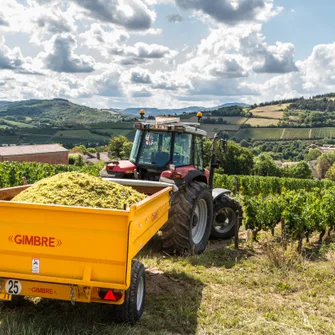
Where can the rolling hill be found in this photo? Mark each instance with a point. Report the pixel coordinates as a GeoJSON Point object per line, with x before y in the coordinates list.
{"type": "Point", "coordinates": [178, 111]}
{"type": "Point", "coordinates": [54, 112]}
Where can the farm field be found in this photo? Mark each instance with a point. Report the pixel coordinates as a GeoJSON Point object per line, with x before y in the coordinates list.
{"type": "Point", "coordinates": [323, 132]}
{"type": "Point", "coordinates": [223, 291]}
{"type": "Point", "coordinates": [80, 134]}
{"type": "Point", "coordinates": [214, 128]}
{"type": "Point", "coordinates": [273, 115]}
{"type": "Point", "coordinates": [254, 122]}
{"type": "Point", "coordinates": [271, 108]}
{"type": "Point", "coordinates": [230, 119]}
{"type": "Point", "coordinates": [259, 133]}
{"type": "Point", "coordinates": [296, 133]}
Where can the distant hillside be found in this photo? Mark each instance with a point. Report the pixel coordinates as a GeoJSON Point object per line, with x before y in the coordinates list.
{"type": "Point", "coordinates": [54, 112]}
{"type": "Point", "coordinates": [178, 111]}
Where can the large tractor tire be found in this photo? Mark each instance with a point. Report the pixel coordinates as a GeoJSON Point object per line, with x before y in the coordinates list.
{"type": "Point", "coordinates": [227, 214]}
{"type": "Point", "coordinates": [190, 220]}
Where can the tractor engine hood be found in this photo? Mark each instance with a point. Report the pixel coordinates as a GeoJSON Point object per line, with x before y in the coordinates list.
{"type": "Point", "coordinates": [123, 166]}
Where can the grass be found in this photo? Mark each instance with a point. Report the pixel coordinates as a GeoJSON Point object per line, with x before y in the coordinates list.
{"type": "Point", "coordinates": [223, 291]}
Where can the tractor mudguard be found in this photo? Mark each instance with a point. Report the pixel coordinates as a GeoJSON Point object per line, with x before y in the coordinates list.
{"type": "Point", "coordinates": [195, 175]}
{"type": "Point", "coordinates": [217, 192]}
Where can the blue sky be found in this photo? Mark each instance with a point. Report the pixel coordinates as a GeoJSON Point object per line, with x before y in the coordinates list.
{"type": "Point", "coordinates": [165, 53]}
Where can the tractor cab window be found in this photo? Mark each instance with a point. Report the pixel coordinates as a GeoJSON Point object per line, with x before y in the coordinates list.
{"type": "Point", "coordinates": [198, 153]}
{"type": "Point", "coordinates": [182, 149]}
{"type": "Point", "coordinates": [135, 147]}
{"type": "Point", "coordinates": [155, 148]}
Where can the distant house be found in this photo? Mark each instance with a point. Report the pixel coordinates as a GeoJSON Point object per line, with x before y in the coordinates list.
{"type": "Point", "coordinates": [45, 153]}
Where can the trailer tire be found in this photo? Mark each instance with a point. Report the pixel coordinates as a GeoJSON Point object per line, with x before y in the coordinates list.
{"type": "Point", "coordinates": [190, 220]}
{"type": "Point", "coordinates": [132, 308]}
{"type": "Point", "coordinates": [227, 214]}
{"type": "Point", "coordinates": [16, 302]}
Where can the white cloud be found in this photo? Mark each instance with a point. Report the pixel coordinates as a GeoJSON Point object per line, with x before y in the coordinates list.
{"type": "Point", "coordinates": [10, 59]}
{"type": "Point", "coordinates": [131, 14]}
{"type": "Point", "coordinates": [232, 12]}
{"type": "Point", "coordinates": [60, 56]}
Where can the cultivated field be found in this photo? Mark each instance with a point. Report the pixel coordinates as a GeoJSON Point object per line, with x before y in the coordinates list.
{"type": "Point", "coordinates": [271, 108]}
{"type": "Point", "coordinates": [230, 119]}
{"type": "Point", "coordinates": [286, 133]}
{"type": "Point", "coordinates": [272, 115]}
{"type": "Point", "coordinates": [259, 133]}
{"type": "Point", "coordinates": [256, 290]}
{"type": "Point", "coordinates": [296, 133]}
{"type": "Point", "coordinates": [254, 122]}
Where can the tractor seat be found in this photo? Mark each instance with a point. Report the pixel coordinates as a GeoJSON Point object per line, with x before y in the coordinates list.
{"type": "Point", "coordinates": [160, 158]}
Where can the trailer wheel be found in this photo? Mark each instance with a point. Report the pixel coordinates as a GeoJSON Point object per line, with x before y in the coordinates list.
{"type": "Point", "coordinates": [190, 219]}
{"type": "Point", "coordinates": [132, 308]}
{"type": "Point", "coordinates": [227, 214]}
{"type": "Point", "coordinates": [17, 301]}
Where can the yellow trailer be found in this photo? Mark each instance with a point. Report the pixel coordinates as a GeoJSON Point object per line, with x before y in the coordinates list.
{"type": "Point", "coordinates": [79, 254]}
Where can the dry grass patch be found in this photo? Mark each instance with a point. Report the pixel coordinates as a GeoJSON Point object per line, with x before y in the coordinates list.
{"type": "Point", "coordinates": [254, 122]}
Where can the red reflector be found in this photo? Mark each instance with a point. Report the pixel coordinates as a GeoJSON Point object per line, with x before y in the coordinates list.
{"type": "Point", "coordinates": [110, 296]}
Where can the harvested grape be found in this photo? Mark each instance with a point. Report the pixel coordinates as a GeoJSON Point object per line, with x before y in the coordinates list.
{"type": "Point", "coordinates": [80, 189]}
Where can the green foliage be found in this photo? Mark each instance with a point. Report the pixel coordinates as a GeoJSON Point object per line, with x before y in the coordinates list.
{"type": "Point", "coordinates": [306, 206]}
{"type": "Point", "coordinates": [300, 170]}
{"type": "Point", "coordinates": [237, 160]}
{"type": "Point", "coordinates": [264, 165]}
{"type": "Point", "coordinates": [118, 147]}
{"type": "Point", "coordinates": [331, 173]}
{"type": "Point", "coordinates": [255, 185]}
{"type": "Point", "coordinates": [76, 160]}
{"type": "Point", "coordinates": [313, 154]}
{"type": "Point", "coordinates": [324, 162]}
{"type": "Point", "coordinates": [11, 173]}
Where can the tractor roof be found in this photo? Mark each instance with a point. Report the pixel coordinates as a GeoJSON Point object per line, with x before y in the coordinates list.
{"type": "Point", "coordinates": [166, 124]}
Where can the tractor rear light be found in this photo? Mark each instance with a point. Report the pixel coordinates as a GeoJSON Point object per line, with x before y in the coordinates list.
{"type": "Point", "coordinates": [110, 167]}
{"type": "Point", "coordinates": [129, 171]}
{"type": "Point", "coordinates": [110, 295]}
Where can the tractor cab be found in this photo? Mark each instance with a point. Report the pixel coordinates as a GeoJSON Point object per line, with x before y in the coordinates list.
{"type": "Point", "coordinates": [166, 144]}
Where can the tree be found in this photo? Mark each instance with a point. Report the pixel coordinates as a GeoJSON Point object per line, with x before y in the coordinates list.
{"type": "Point", "coordinates": [331, 173]}
{"type": "Point", "coordinates": [237, 160]}
{"type": "Point", "coordinates": [126, 150]}
{"type": "Point", "coordinates": [264, 165]}
{"type": "Point", "coordinates": [324, 162]}
{"type": "Point", "coordinates": [299, 170]}
{"type": "Point", "coordinates": [244, 144]}
{"type": "Point", "coordinates": [115, 146]}
{"type": "Point", "coordinates": [313, 154]}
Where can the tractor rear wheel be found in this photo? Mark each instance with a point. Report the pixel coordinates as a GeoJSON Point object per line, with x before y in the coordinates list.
{"type": "Point", "coordinates": [190, 219]}
{"type": "Point", "coordinates": [227, 214]}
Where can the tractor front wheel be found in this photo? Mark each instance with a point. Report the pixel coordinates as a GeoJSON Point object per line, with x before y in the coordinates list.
{"type": "Point", "coordinates": [190, 220]}
{"type": "Point", "coordinates": [227, 214]}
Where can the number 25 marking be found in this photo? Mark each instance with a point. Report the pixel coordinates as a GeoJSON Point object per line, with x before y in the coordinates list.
{"type": "Point", "coordinates": [13, 287]}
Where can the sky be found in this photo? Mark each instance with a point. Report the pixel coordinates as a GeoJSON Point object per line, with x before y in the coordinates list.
{"type": "Point", "coordinates": [166, 53]}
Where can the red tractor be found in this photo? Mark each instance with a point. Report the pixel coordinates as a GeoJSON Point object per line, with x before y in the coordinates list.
{"type": "Point", "coordinates": [168, 151]}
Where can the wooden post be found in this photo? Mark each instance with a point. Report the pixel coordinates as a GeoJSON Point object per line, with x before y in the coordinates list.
{"type": "Point", "coordinates": [237, 229]}
{"type": "Point", "coordinates": [283, 233]}
{"type": "Point", "coordinates": [24, 181]}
